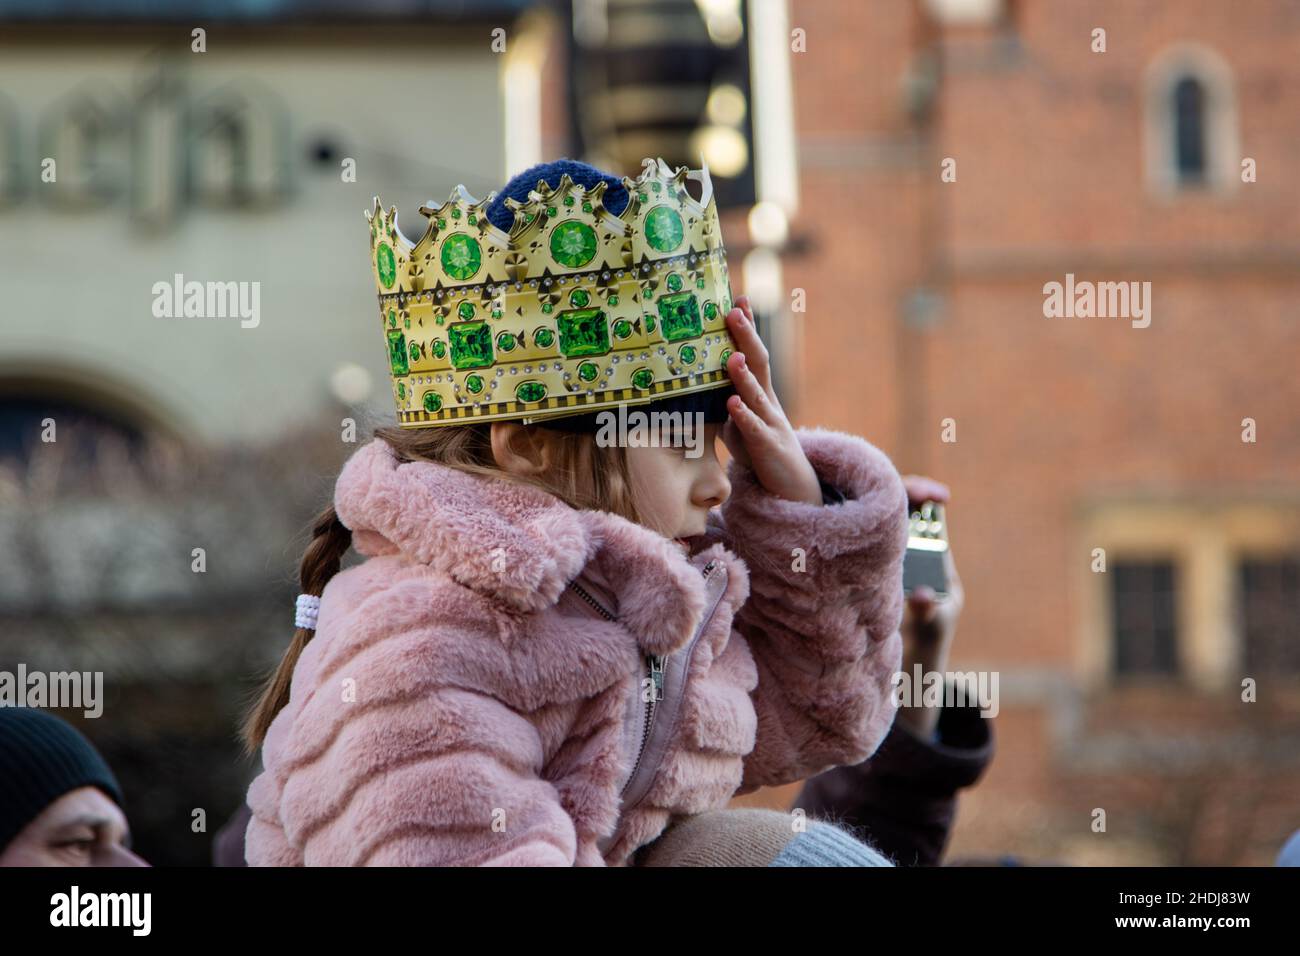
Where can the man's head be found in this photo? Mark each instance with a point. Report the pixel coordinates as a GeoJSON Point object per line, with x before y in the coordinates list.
{"type": "Point", "coordinates": [59, 803]}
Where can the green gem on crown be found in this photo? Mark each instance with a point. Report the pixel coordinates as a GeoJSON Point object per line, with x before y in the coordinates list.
{"type": "Point", "coordinates": [544, 338]}
{"type": "Point", "coordinates": [465, 310]}
{"type": "Point", "coordinates": [573, 244]}
{"type": "Point", "coordinates": [579, 298]}
{"type": "Point", "coordinates": [622, 328]}
{"type": "Point", "coordinates": [471, 344]}
{"type": "Point", "coordinates": [506, 342]}
{"type": "Point", "coordinates": [663, 228]}
{"type": "Point", "coordinates": [726, 354]}
{"type": "Point", "coordinates": [474, 383]}
{"type": "Point", "coordinates": [397, 352]}
{"type": "Point", "coordinates": [439, 350]}
{"type": "Point", "coordinates": [530, 392]}
{"type": "Point", "coordinates": [710, 310]}
{"type": "Point", "coordinates": [643, 378]}
{"type": "Point", "coordinates": [687, 355]}
{"type": "Point", "coordinates": [432, 401]}
{"type": "Point", "coordinates": [587, 371]}
{"type": "Point", "coordinates": [461, 256]}
{"type": "Point", "coordinates": [583, 332]}
{"type": "Point", "coordinates": [674, 282]}
{"type": "Point", "coordinates": [680, 316]}
{"type": "Point", "coordinates": [386, 263]}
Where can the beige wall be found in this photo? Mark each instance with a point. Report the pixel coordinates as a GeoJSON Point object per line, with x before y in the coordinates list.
{"type": "Point", "coordinates": [76, 297]}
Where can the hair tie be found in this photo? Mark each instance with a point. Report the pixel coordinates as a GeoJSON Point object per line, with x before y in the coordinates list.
{"type": "Point", "coordinates": [307, 608]}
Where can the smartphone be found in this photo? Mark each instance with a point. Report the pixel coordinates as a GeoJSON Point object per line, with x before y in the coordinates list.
{"type": "Point", "coordinates": [927, 547]}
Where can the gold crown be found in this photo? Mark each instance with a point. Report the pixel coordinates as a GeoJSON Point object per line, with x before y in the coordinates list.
{"type": "Point", "coordinates": [574, 310]}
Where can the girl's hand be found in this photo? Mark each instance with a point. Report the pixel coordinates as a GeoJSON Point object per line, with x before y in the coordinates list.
{"type": "Point", "coordinates": [758, 434]}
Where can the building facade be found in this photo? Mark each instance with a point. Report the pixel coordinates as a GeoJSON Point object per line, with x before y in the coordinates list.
{"type": "Point", "coordinates": [1126, 488]}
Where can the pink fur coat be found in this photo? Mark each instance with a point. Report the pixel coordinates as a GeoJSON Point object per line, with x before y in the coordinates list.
{"type": "Point", "coordinates": [468, 700]}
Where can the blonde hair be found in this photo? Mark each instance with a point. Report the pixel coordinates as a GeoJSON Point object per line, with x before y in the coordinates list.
{"type": "Point", "coordinates": [586, 476]}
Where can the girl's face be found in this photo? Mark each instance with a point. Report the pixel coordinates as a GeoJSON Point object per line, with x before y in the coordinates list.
{"type": "Point", "coordinates": [673, 491]}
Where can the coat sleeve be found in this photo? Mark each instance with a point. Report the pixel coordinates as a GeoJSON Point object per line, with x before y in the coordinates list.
{"type": "Point", "coordinates": [905, 796]}
{"type": "Point", "coordinates": [826, 600]}
{"type": "Point", "coordinates": [415, 769]}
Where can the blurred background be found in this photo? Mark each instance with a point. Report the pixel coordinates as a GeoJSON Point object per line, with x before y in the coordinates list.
{"type": "Point", "coordinates": [898, 180]}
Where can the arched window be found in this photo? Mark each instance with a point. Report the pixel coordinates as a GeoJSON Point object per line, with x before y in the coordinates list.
{"type": "Point", "coordinates": [1191, 122]}
{"type": "Point", "coordinates": [80, 429]}
{"type": "Point", "coordinates": [1189, 130]}
{"type": "Point", "coordinates": [82, 418]}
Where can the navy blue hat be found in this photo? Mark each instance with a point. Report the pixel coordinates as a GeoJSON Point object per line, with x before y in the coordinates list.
{"type": "Point", "coordinates": [584, 174]}
{"type": "Point", "coordinates": [42, 757]}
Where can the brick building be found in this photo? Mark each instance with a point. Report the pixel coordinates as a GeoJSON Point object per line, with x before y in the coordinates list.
{"type": "Point", "coordinates": [1120, 690]}
{"type": "Point", "coordinates": [955, 157]}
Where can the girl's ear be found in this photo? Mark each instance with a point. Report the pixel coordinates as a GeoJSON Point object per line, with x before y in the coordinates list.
{"type": "Point", "coordinates": [521, 449]}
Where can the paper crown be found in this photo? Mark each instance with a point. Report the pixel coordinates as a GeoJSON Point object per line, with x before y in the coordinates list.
{"type": "Point", "coordinates": [574, 310]}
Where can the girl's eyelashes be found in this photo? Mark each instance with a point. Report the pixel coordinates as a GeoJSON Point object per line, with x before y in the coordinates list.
{"type": "Point", "coordinates": [79, 849]}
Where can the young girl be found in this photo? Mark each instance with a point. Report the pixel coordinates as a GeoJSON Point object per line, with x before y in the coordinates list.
{"type": "Point", "coordinates": [558, 648]}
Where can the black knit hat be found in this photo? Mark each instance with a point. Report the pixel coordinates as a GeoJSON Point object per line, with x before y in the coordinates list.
{"type": "Point", "coordinates": [712, 403]}
{"type": "Point", "coordinates": [42, 757]}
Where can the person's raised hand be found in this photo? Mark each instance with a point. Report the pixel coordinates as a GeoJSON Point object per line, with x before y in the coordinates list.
{"type": "Point", "coordinates": [757, 433]}
{"type": "Point", "coordinates": [928, 620]}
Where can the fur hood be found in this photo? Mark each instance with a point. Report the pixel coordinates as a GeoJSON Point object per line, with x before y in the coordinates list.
{"type": "Point", "coordinates": [515, 543]}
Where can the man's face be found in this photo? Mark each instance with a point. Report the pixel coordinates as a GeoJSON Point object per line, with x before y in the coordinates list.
{"type": "Point", "coordinates": [81, 828]}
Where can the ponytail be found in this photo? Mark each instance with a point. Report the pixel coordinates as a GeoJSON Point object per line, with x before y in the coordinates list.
{"type": "Point", "coordinates": [330, 541]}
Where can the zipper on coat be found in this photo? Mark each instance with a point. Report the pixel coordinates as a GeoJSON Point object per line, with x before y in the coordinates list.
{"type": "Point", "coordinates": [654, 672]}
{"type": "Point", "coordinates": [582, 593]}
{"type": "Point", "coordinates": [655, 665]}
{"type": "Point", "coordinates": [655, 675]}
